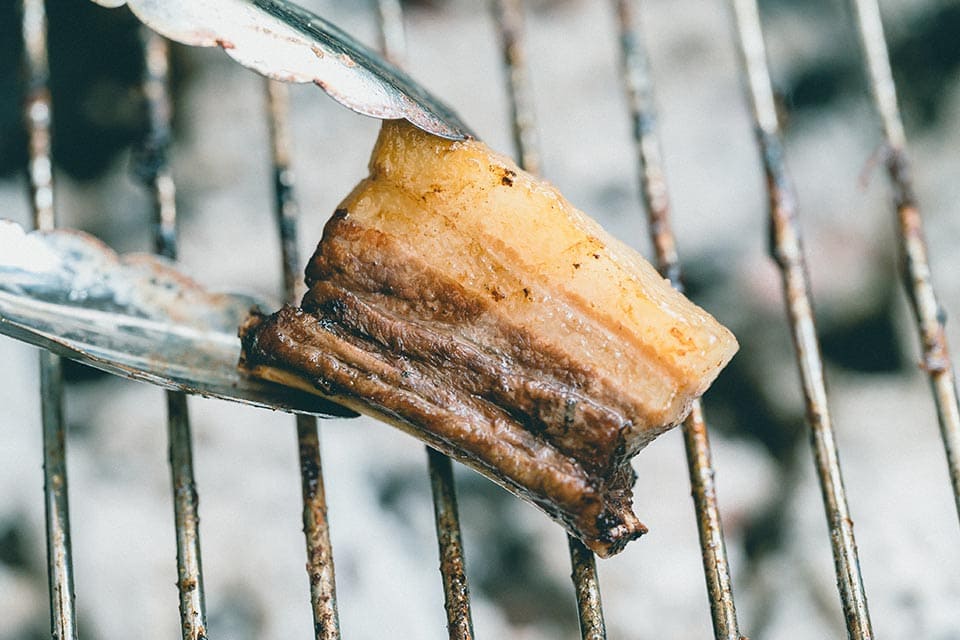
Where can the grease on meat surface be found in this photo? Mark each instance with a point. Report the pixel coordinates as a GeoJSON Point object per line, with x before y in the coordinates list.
{"type": "Point", "coordinates": [467, 302]}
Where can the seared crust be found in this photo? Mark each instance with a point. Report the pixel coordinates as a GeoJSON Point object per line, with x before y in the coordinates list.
{"type": "Point", "coordinates": [309, 351]}
{"type": "Point", "coordinates": [464, 301]}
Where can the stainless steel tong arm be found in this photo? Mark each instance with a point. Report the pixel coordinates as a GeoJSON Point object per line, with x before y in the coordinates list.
{"type": "Point", "coordinates": [134, 316]}
{"type": "Point", "coordinates": [286, 42]}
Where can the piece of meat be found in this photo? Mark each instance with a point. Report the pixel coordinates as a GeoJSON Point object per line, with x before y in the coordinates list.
{"type": "Point", "coordinates": [467, 302]}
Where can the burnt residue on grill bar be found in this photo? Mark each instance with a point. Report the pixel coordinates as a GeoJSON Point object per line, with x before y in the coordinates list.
{"type": "Point", "coordinates": [656, 201]}
{"type": "Point", "coordinates": [787, 252]}
{"type": "Point", "coordinates": [320, 568]}
{"type": "Point", "coordinates": [37, 111]}
{"type": "Point", "coordinates": [154, 170]}
{"type": "Point", "coordinates": [316, 528]}
{"type": "Point", "coordinates": [150, 163]}
{"type": "Point", "coordinates": [915, 265]}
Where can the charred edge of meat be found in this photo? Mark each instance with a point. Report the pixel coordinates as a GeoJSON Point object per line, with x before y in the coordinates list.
{"type": "Point", "coordinates": [324, 352]}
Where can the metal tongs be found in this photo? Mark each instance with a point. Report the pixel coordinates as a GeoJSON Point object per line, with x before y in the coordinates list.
{"type": "Point", "coordinates": [136, 316]}
{"type": "Point", "coordinates": [284, 41]}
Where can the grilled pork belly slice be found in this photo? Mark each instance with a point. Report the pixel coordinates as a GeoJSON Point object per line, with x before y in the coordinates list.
{"type": "Point", "coordinates": [467, 302]}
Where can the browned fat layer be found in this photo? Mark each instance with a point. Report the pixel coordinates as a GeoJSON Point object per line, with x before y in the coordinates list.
{"type": "Point", "coordinates": [569, 420]}
{"type": "Point", "coordinates": [366, 260]}
{"type": "Point", "coordinates": [596, 510]}
{"type": "Point", "coordinates": [295, 340]}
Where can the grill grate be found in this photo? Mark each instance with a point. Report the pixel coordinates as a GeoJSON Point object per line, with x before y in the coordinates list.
{"type": "Point", "coordinates": [785, 248]}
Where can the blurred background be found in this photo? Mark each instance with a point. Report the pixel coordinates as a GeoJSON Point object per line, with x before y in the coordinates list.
{"type": "Point", "coordinates": [377, 485]}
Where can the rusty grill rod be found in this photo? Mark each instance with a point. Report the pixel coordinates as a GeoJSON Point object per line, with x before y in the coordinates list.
{"type": "Point", "coordinates": [453, 569]}
{"type": "Point", "coordinates": [656, 202]}
{"type": "Point", "coordinates": [510, 23]}
{"type": "Point", "coordinates": [316, 529]}
{"type": "Point", "coordinates": [153, 169]}
{"type": "Point", "coordinates": [37, 119]}
{"type": "Point", "coordinates": [915, 266]}
{"type": "Point", "coordinates": [453, 566]}
{"type": "Point", "coordinates": [587, 587]}
{"type": "Point", "coordinates": [787, 252]}
{"type": "Point", "coordinates": [509, 17]}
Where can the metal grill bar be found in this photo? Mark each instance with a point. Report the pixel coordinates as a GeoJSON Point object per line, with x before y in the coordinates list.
{"type": "Point", "coordinates": [37, 118]}
{"type": "Point", "coordinates": [285, 207]}
{"type": "Point", "coordinates": [37, 114]}
{"type": "Point", "coordinates": [509, 19]}
{"type": "Point", "coordinates": [320, 568]}
{"type": "Point", "coordinates": [915, 267]}
{"type": "Point", "coordinates": [59, 550]}
{"type": "Point", "coordinates": [153, 169]}
{"type": "Point", "coordinates": [393, 39]}
{"type": "Point", "coordinates": [787, 251]}
{"type": "Point", "coordinates": [456, 591]}
{"type": "Point", "coordinates": [193, 613]}
{"type": "Point", "coordinates": [589, 607]}
{"type": "Point", "coordinates": [323, 588]}
{"type": "Point", "coordinates": [656, 201]}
